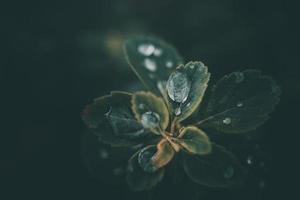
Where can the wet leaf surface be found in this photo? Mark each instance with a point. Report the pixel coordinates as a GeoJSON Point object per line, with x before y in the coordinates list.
{"type": "Point", "coordinates": [150, 110]}
{"type": "Point", "coordinates": [110, 117]}
{"type": "Point", "coordinates": [220, 168]}
{"type": "Point", "coordinates": [138, 179]}
{"type": "Point", "coordinates": [240, 102]}
{"type": "Point", "coordinates": [151, 59]}
{"type": "Point", "coordinates": [194, 141]}
{"type": "Point", "coordinates": [186, 87]}
{"type": "Point", "coordinates": [154, 157]}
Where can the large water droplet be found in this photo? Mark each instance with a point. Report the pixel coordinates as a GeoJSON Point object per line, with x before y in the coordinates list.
{"type": "Point", "coordinates": [146, 49]}
{"type": "Point", "coordinates": [150, 120]}
{"type": "Point", "coordinates": [229, 172]}
{"type": "Point", "coordinates": [227, 120]}
{"type": "Point", "coordinates": [177, 111]}
{"type": "Point", "coordinates": [150, 64]}
{"type": "Point", "coordinates": [178, 87]}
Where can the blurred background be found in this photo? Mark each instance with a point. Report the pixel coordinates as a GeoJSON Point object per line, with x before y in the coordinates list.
{"type": "Point", "coordinates": [59, 55]}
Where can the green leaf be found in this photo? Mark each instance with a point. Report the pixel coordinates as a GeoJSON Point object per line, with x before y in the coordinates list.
{"type": "Point", "coordinates": [220, 168]}
{"type": "Point", "coordinates": [150, 110]}
{"type": "Point", "coordinates": [153, 157]}
{"type": "Point", "coordinates": [240, 102]}
{"type": "Point", "coordinates": [138, 179]}
{"type": "Point", "coordinates": [194, 141]}
{"type": "Point", "coordinates": [151, 59]}
{"type": "Point", "coordinates": [186, 87]}
{"type": "Point", "coordinates": [110, 117]}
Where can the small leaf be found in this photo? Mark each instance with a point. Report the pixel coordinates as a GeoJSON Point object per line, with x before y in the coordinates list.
{"type": "Point", "coordinates": [186, 87]}
{"type": "Point", "coordinates": [240, 102]}
{"type": "Point", "coordinates": [110, 117]}
{"type": "Point", "coordinates": [150, 110]}
{"type": "Point", "coordinates": [194, 140]}
{"type": "Point", "coordinates": [138, 179]}
{"type": "Point", "coordinates": [151, 59]}
{"type": "Point", "coordinates": [152, 157]}
{"type": "Point", "coordinates": [220, 168]}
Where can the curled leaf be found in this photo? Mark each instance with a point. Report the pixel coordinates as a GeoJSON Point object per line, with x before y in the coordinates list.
{"type": "Point", "coordinates": [151, 59]}
{"type": "Point", "coordinates": [220, 168]}
{"type": "Point", "coordinates": [138, 179]}
{"type": "Point", "coordinates": [194, 141]}
{"type": "Point", "coordinates": [240, 102]}
{"type": "Point", "coordinates": [150, 110]}
{"type": "Point", "coordinates": [186, 87]}
{"type": "Point", "coordinates": [152, 157]}
{"type": "Point", "coordinates": [110, 117]}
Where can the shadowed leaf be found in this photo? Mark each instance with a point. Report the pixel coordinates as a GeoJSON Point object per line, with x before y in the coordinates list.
{"type": "Point", "coordinates": [220, 168]}
{"type": "Point", "coordinates": [138, 179]}
{"type": "Point", "coordinates": [194, 140]}
{"type": "Point", "coordinates": [110, 117]}
{"type": "Point", "coordinates": [151, 59]}
{"type": "Point", "coordinates": [152, 157]}
{"type": "Point", "coordinates": [186, 87]}
{"type": "Point", "coordinates": [150, 110]}
{"type": "Point", "coordinates": [240, 102]}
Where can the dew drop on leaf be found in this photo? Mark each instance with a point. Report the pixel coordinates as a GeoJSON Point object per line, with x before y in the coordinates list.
{"type": "Point", "coordinates": [146, 49]}
{"type": "Point", "coordinates": [177, 111]}
{"type": "Point", "coordinates": [250, 160]}
{"type": "Point", "coordinates": [228, 173]}
{"type": "Point", "coordinates": [144, 156]}
{"type": "Point", "coordinates": [178, 87]}
{"type": "Point", "coordinates": [240, 104]}
{"type": "Point", "coordinates": [227, 120]}
{"type": "Point", "coordinates": [150, 65]}
{"type": "Point", "coordinates": [150, 120]}
{"type": "Point", "coordinates": [169, 64]}
{"type": "Point", "coordinates": [141, 106]}
{"type": "Point", "coordinates": [157, 52]}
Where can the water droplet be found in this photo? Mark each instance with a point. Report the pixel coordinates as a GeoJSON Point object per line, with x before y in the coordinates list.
{"type": "Point", "coordinates": [178, 87]}
{"type": "Point", "coordinates": [142, 106]}
{"type": "Point", "coordinates": [169, 64]}
{"type": "Point", "coordinates": [150, 120]}
{"type": "Point", "coordinates": [144, 159]}
{"type": "Point", "coordinates": [239, 77]}
{"type": "Point", "coordinates": [229, 172]}
{"type": "Point", "coordinates": [240, 104]}
{"type": "Point", "coordinates": [188, 105]}
{"type": "Point", "coordinates": [177, 111]}
{"type": "Point", "coordinates": [227, 121]}
{"type": "Point", "coordinates": [146, 49]}
{"type": "Point", "coordinates": [150, 65]}
{"type": "Point", "coordinates": [250, 160]}
{"type": "Point", "coordinates": [103, 154]}
{"type": "Point", "coordinates": [118, 171]}
{"type": "Point", "coordinates": [157, 52]}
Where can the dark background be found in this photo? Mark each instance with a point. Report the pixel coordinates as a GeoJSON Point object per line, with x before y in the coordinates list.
{"type": "Point", "coordinates": [59, 55]}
